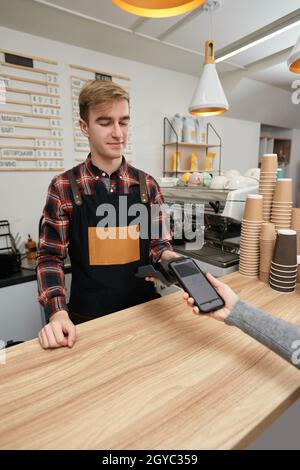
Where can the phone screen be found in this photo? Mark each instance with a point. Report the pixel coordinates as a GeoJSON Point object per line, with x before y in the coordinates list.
{"type": "Point", "coordinates": [194, 281]}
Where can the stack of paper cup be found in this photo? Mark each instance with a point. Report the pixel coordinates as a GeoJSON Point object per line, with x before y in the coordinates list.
{"type": "Point", "coordinates": [267, 181]}
{"type": "Point", "coordinates": [295, 225]}
{"type": "Point", "coordinates": [267, 243]}
{"type": "Point", "coordinates": [283, 273]}
{"type": "Point", "coordinates": [282, 203]}
{"type": "Point", "coordinates": [250, 235]}
{"type": "Point", "coordinates": [298, 269]}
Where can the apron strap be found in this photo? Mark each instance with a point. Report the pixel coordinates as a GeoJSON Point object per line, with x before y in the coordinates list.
{"type": "Point", "coordinates": [77, 196]}
{"type": "Point", "coordinates": [74, 186]}
{"type": "Point", "coordinates": [143, 186]}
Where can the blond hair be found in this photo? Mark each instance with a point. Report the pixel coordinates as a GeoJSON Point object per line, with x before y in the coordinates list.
{"type": "Point", "coordinates": [99, 92]}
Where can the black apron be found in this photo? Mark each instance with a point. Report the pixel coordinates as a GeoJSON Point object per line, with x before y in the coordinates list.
{"type": "Point", "coordinates": [103, 271]}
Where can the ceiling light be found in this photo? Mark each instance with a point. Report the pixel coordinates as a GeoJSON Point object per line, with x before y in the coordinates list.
{"type": "Point", "coordinates": [158, 8]}
{"type": "Point", "coordinates": [279, 26]}
{"type": "Point", "coordinates": [209, 98]}
{"type": "Point", "coordinates": [294, 58]}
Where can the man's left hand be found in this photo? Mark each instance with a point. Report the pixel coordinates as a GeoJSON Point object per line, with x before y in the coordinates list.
{"type": "Point", "coordinates": [166, 256]}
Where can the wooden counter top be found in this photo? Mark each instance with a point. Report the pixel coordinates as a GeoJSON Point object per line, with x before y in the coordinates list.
{"type": "Point", "coordinates": [153, 376]}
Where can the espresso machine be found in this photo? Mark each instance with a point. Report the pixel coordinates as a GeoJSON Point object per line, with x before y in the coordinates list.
{"type": "Point", "coordinates": [218, 251]}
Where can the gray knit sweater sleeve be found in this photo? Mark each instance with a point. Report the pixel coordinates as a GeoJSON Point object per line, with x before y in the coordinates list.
{"type": "Point", "coordinates": [280, 336]}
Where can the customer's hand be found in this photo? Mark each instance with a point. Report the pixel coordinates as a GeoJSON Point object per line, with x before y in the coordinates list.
{"type": "Point", "coordinates": [227, 294]}
{"type": "Point", "coordinates": [166, 256]}
{"type": "Point", "coordinates": [59, 332]}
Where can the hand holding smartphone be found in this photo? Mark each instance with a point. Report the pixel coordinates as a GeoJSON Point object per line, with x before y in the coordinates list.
{"type": "Point", "coordinates": [196, 284]}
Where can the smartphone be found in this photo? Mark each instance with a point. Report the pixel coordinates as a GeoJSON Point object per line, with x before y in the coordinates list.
{"type": "Point", "coordinates": [196, 284]}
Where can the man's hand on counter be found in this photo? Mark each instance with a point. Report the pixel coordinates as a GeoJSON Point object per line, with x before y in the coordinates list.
{"type": "Point", "coordinates": [59, 332]}
{"type": "Point", "coordinates": [227, 294]}
{"type": "Point", "coordinates": [166, 256]}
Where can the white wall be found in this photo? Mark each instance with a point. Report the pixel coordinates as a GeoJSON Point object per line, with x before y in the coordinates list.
{"type": "Point", "coordinates": [251, 99]}
{"type": "Point", "coordinates": [240, 142]}
{"type": "Point", "coordinates": [262, 103]}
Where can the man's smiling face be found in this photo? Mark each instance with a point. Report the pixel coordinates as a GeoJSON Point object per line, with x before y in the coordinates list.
{"type": "Point", "coordinates": [107, 129]}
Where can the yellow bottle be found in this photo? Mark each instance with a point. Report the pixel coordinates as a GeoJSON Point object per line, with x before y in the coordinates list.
{"type": "Point", "coordinates": [209, 161]}
{"type": "Point", "coordinates": [175, 164]}
{"type": "Point", "coordinates": [193, 165]}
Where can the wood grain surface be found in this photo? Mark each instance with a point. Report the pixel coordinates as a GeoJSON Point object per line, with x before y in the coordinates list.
{"type": "Point", "coordinates": [154, 376]}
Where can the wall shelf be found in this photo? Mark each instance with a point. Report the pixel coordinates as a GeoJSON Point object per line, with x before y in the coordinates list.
{"type": "Point", "coordinates": [182, 149]}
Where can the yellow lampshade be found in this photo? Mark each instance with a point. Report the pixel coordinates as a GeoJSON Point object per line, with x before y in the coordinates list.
{"type": "Point", "coordinates": [158, 8]}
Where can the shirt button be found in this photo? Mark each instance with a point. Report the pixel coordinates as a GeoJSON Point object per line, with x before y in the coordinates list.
{"type": "Point", "coordinates": [103, 174]}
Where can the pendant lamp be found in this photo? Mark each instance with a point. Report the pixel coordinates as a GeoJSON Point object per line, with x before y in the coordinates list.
{"type": "Point", "coordinates": [158, 8]}
{"type": "Point", "coordinates": [209, 98]}
{"type": "Point", "coordinates": [294, 58]}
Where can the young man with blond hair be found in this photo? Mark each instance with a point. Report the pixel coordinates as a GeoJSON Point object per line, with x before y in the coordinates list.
{"type": "Point", "coordinates": [105, 250]}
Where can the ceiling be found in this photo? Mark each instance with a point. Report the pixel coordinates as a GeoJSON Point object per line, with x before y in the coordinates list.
{"type": "Point", "coordinates": [175, 43]}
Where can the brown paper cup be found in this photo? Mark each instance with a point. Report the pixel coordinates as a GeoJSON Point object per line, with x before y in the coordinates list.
{"type": "Point", "coordinates": [267, 231]}
{"type": "Point", "coordinates": [266, 254]}
{"type": "Point", "coordinates": [285, 251]}
{"type": "Point", "coordinates": [283, 291]}
{"type": "Point", "coordinates": [251, 223]}
{"type": "Point", "coordinates": [248, 272]}
{"type": "Point", "coordinates": [251, 269]}
{"type": "Point", "coordinates": [295, 218]}
{"type": "Point", "coordinates": [283, 203]}
{"type": "Point", "coordinates": [272, 174]}
{"type": "Point", "coordinates": [249, 255]}
{"type": "Point", "coordinates": [283, 190]}
{"type": "Point", "coordinates": [288, 278]}
{"type": "Point", "coordinates": [264, 277]}
{"type": "Point", "coordinates": [269, 163]}
{"type": "Point", "coordinates": [253, 208]}
{"type": "Point", "coordinates": [252, 249]}
{"type": "Point", "coordinates": [267, 186]}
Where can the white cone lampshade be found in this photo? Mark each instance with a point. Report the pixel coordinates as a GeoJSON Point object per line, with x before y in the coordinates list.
{"type": "Point", "coordinates": [294, 58]}
{"type": "Point", "coordinates": [158, 8]}
{"type": "Point", "coordinates": [209, 98]}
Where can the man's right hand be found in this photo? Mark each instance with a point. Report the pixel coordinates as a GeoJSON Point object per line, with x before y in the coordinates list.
{"type": "Point", "coordinates": [59, 332]}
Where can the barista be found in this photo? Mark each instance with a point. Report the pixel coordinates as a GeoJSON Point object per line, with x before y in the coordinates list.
{"type": "Point", "coordinates": [90, 211]}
